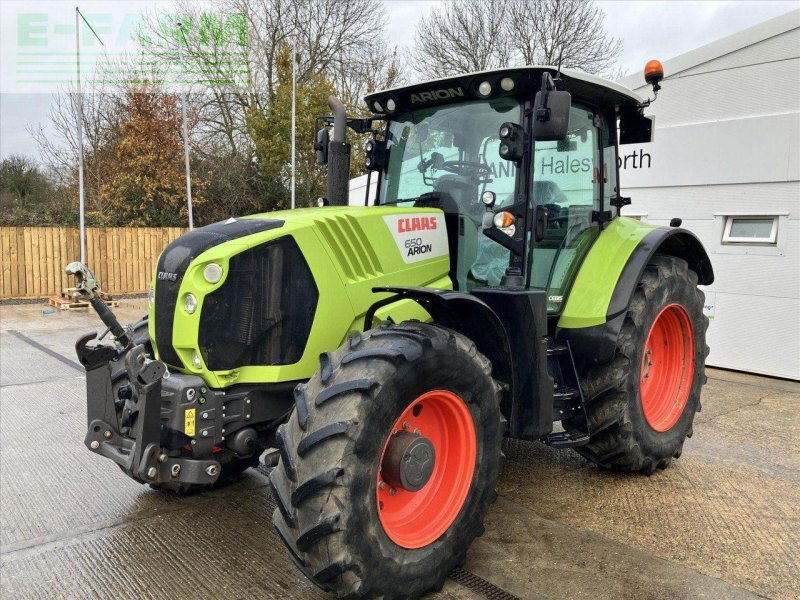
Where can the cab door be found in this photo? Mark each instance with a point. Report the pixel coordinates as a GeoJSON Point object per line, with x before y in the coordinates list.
{"type": "Point", "coordinates": [573, 179]}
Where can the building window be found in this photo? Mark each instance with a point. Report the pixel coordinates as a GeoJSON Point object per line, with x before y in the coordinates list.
{"type": "Point", "coordinates": [750, 230]}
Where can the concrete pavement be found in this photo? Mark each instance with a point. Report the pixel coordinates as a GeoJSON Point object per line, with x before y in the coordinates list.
{"type": "Point", "coordinates": [721, 522]}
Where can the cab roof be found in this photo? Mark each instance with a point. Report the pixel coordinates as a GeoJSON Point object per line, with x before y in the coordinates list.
{"type": "Point", "coordinates": [526, 82]}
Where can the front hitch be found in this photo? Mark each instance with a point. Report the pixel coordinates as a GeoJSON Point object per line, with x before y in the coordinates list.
{"type": "Point", "coordinates": [139, 452]}
{"type": "Point", "coordinates": [140, 456]}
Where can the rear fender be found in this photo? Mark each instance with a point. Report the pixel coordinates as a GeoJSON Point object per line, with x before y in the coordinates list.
{"type": "Point", "coordinates": [679, 243]}
{"type": "Point", "coordinates": [597, 343]}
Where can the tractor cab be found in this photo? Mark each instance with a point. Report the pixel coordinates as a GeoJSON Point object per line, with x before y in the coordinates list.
{"type": "Point", "coordinates": [523, 162]}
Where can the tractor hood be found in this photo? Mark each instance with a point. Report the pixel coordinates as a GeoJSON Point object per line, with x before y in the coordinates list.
{"type": "Point", "coordinates": [256, 299]}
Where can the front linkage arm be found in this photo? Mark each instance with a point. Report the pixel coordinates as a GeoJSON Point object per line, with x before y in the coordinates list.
{"type": "Point", "coordinates": [89, 287]}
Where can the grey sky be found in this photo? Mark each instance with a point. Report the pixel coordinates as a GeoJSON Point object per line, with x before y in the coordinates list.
{"type": "Point", "coordinates": [652, 29]}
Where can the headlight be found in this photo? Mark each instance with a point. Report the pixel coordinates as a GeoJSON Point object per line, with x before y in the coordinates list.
{"type": "Point", "coordinates": [196, 361]}
{"type": "Point", "coordinates": [189, 303]}
{"type": "Point", "coordinates": [485, 88]}
{"type": "Point", "coordinates": [507, 84]}
{"type": "Point", "coordinates": [151, 296]}
{"type": "Point", "coordinates": [212, 272]}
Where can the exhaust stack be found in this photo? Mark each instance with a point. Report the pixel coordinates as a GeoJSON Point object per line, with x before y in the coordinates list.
{"type": "Point", "coordinates": [338, 156]}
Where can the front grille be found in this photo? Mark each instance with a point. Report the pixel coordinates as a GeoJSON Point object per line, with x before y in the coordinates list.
{"type": "Point", "coordinates": [262, 314]}
{"type": "Point", "coordinates": [174, 261]}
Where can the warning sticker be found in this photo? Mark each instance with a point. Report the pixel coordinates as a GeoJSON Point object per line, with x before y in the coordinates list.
{"type": "Point", "coordinates": [188, 422]}
{"type": "Point", "coordinates": [418, 236]}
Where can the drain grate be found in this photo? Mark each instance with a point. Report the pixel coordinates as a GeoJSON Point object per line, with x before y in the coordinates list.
{"type": "Point", "coordinates": [479, 585]}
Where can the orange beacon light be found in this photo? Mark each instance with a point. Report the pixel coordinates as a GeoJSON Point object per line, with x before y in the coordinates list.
{"type": "Point", "coordinates": [654, 73]}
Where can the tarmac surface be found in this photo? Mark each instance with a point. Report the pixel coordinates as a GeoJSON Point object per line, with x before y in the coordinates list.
{"type": "Point", "coordinates": [722, 522]}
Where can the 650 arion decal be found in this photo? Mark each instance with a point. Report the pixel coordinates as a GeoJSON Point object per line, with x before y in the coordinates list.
{"type": "Point", "coordinates": [418, 237]}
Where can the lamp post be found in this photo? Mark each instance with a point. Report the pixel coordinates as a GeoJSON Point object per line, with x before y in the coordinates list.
{"type": "Point", "coordinates": [294, 110]}
{"type": "Point", "coordinates": [184, 102]}
{"type": "Point", "coordinates": [79, 125]}
{"type": "Point", "coordinates": [185, 128]}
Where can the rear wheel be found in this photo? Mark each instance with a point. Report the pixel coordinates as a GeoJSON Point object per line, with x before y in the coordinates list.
{"type": "Point", "coordinates": [388, 462]}
{"type": "Point", "coordinates": [641, 405]}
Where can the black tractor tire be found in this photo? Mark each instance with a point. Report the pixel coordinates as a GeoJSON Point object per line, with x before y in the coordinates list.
{"type": "Point", "coordinates": [622, 439]}
{"type": "Point", "coordinates": [231, 465]}
{"type": "Point", "coordinates": [325, 484]}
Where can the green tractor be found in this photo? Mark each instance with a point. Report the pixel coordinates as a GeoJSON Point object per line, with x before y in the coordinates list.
{"type": "Point", "coordinates": [385, 351]}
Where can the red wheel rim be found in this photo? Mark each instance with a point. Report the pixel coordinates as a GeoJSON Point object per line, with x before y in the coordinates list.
{"type": "Point", "coordinates": [667, 368]}
{"type": "Point", "coordinates": [415, 519]}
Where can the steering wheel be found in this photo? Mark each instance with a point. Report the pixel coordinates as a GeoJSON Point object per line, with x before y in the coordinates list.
{"type": "Point", "coordinates": [466, 168]}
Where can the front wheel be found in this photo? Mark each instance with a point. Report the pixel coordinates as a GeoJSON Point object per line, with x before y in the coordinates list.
{"type": "Point", "coordinates": [388, 462]}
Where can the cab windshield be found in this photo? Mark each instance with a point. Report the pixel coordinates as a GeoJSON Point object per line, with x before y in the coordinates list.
{"type": "Point", "coordinates": [450, 151]}
{"type": "Point", "coordinates": [447, 156]}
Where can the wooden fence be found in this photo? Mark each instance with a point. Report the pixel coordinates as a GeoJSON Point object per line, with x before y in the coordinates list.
{"type": "Point", "coordinates": [122, 258]}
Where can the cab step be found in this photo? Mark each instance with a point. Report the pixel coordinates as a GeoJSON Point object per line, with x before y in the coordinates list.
{"type": "Point", "coordinates": [565, 394]}
{"type": "Point", "coordinates": [556, 349]}
{"type": "Point", "coordinates": [569, 407]}
{"type": "Point", "coordinates": [567, 439]}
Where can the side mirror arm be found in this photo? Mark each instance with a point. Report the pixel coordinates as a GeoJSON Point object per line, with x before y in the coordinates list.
{"type": "Point", "coordinates": [543, 112]}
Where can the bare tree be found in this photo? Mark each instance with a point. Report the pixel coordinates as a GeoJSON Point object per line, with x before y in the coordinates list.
{"type": "Point", "coordinates": [570, 30]}
{"type": "Point", "coordinates": [365, 71]}
{"type": "Point", "coordinates": [207, 53]}
{"type": "Point", "coordinates": [58, 140]}
{"type": "Point", "coordinates": [269, 27]}
{"type": "Point", "coordinates": [338, 38]}
{"type": "Point", "coordinates": [464, 36]}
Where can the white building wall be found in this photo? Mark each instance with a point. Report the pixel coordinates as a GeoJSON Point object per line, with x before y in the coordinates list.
{"type": "Point", "coordinates": [762, 84]}
{"type": "Point", "coordinates": [358, 190]}
{"type": "Point", "coordinates": [726, 143]}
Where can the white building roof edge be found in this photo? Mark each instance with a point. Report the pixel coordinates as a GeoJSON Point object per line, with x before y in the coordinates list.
{"type": "Point", "coordinates": [736, 41]}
